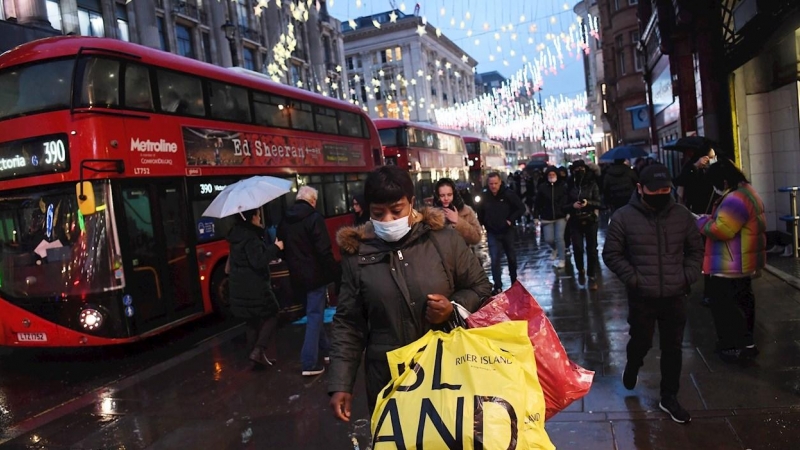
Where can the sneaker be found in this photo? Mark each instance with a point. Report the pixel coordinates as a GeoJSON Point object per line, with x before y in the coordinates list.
{"type": "Point", "coordinates": [496, 291]}
{"type": "Point", "coordinates": [730, 355]}
{"type": "Point", "coordinates": [751, 351]}
{"type": "Point", "coordinates": [592, 284]}
{"type": "Point", "coordinates": [313, 372]}
{"type": "Point", "coordinates": [559, 264]}
{"type": "Point", "coordinates": [630, 377]}
{"type": "Point", "coordinates": [581, 277]}
{"type": "Point", "coordinates": [260, 358]}
{"type": "Point", "coordinates": [676, 412]}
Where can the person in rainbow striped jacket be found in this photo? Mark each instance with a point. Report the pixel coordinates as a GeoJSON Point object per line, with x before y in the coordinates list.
{"type": "Point", "coordinates": [735, 251]}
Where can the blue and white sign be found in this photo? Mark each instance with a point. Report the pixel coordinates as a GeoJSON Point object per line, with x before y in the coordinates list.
{"type": "Point", "coordinates": [49, 230]}
{"type": "Point", "coordinates": [129, 311]}
{"type": "Point", "coordinates": [127, 300]}
{"type": "Point", "coordinates": [205, 228]}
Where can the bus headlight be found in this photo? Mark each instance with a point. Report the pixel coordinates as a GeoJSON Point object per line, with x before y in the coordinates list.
{"type": "Point", "coordinates": [91, 319]}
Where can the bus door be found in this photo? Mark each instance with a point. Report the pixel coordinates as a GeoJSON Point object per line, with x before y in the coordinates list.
{"type": "Point", "coordinates": [160, 266]}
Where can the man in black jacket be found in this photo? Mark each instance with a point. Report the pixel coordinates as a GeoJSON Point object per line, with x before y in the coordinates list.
{"type": "Point", "coordinates": [653, 246]}
{"type": "Point", "coordinates": [311, 268]}
{"type": "Point", "coordinates": [582, 207]}
{"type": "Point", "coordinates": [618, 184]}
{"type": "Point", "coordinates": [498, 211]}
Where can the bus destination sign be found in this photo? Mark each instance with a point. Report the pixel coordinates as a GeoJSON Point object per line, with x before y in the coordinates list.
{"type": "Point", "coordinates": [34, 156]}
{"type": "Point", "coordinates": [207, 147]}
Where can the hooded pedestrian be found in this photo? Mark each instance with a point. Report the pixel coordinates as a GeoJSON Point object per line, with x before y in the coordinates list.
{"type": "Point", "coordinates": [401, 271]}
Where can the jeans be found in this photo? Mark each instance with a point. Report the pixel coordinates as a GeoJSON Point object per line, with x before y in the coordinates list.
{"type": "Point", "coordinates": [499, 243]}
{"type": "Point", "coordinates": [733, 309]}
{"type": "Point", "coordinates": [549, 232]}
{"type": "Point", "coordinates": [587, 230]}
{"type": "Point", "coordinates": [670, 314]}
{"type": "Point", "coordinates": [316, 339]}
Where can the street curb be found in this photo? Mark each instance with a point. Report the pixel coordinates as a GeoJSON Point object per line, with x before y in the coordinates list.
{"type": "Point", "coordinates": [789, 279]}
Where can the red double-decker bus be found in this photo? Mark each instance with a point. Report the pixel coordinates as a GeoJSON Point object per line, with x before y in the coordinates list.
{"type": "Point", "coordinates": [429, 153]}
{"type": "Point", "coordinates": [485, 156]}
{"type": "Point", "coordinates": [109, 154]}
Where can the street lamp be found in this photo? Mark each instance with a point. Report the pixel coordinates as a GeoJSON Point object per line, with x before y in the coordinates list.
{"type": "Point", "coordinates": [230, 34]}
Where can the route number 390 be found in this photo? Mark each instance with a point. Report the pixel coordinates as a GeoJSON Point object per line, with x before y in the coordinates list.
{"type": "Point", "coordinates": [54, 152]}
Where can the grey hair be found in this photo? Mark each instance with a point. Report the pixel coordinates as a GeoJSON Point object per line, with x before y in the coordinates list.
{"type": "Point", "coordinates": [307, 193]}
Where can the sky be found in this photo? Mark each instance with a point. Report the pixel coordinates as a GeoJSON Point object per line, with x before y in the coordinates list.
{"type": "Point", "coordinates": [516, 23]}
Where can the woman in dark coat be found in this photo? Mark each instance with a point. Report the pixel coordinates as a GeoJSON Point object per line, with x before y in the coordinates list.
{"type": "Point", "coordinates": [400, 273]}
{"type": "Point", "coordinates": [360, 210]}
{"type": "Point", "coordinates": [251, 296]}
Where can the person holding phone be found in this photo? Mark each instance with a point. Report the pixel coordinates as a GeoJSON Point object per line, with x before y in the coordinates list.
{"type": "Point", "coordinates": [584, 200]}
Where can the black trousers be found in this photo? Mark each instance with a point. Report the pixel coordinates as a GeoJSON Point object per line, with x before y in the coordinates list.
{"type": "Point", "coordinates": [580, 231]}
{"type": "Point", "coordinates": [670, 314]}
{"type": "Point", "coordinates": [733, 308]}
{"type": "Point", "coordinates": [500, 243]}
{"type": "Point", "coordinates": [263, 333]}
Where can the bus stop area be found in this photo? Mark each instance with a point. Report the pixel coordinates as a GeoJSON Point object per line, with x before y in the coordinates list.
{"type": "Point", "coordinates": [208, 397]}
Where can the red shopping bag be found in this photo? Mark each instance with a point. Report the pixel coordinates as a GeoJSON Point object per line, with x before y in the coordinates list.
{"type": "Point", "coordinates": [562, 380]}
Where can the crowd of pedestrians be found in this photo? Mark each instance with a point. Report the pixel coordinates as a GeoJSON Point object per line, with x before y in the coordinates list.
{"type": "Point", "coordinates": [402, 267]}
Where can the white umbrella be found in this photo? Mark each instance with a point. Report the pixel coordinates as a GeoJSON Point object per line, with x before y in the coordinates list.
{"type": "Point", "coordinates": [247, 194]}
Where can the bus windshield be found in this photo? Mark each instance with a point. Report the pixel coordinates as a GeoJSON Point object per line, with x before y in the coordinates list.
{"type": "Point", "coordinates": [50, 250]}
{"type": "Point", "coordinates": [36, 87]}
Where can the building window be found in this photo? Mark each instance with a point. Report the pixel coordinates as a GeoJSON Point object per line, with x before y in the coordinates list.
{"type": "Point", "coordinates": [249, 58]}
{"type": "Point", "coordinates": [294, 74]}
{"type": "Point", "coordinates": [53, 14]}
{"type": "Point", "coordinates": [241, 11]}
{"type": "Point", "coordinates": [326, 47]}
{"type": "Point", "coordinates": [638, 58]}
{"type": "Point", "coordinates": [184, 37]}
{"type": "Point", "coordinates": [162, 33]}
{"type": "Point", "coordinates": [349, 61]}
{"type": "Point", "coordinates": [207, 47]}
{"type": "Point", "coordinates": [633, 2]}
{"type": "Point", "coordinates": [91, 23]}
{"type": "Point", "coordinates": [620, 55]}
{"type": "Point", "coordinates": [122, 22]}
{"type": "Point", "coordinates": [398, 54]}
{"type": "Point", "coordinates": [616, 5]}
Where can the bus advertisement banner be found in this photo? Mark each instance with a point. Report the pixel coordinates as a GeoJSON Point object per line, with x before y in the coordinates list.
{"type": "Point", "coordinates": [209, 147]}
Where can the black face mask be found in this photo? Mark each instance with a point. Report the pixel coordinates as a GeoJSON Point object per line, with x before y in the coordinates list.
{"type": "Point", "coordinates": [656, 201]}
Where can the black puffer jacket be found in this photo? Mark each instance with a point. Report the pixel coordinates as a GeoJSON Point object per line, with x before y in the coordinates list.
{"type": "Point", "coordinates": [384, 294]}
{"type": "Point", "coordinates": [307, 248]}
{"type": "Point", "coordinates": [495, 211]}
{"type": "Point", "coordinates": [551, 201]}
{"type": "Point", "coordinates": [618, 185]}
{"type": "Point", "coordinates": [583, 187]}
{"type": "Point", "coordinates": [656, 254]}
{"type": "Point", "coordinates": [250, 291]}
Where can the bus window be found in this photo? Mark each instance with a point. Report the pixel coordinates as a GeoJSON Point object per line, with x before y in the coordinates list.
{"type": "Point", "coordinates": [228, 102]}
{"type": "Point", "coordinates": [349, 124]}
{"type": "Point", "coordinates": [137, 87]}
{"type": "Point", "coordinates": [270, 110]}
{"type": "Point", "coordinates": [325, 119]}
{"type": "Point", "coordinates": [389, 137]}
{"type": "Point", "coordinates": [302, 118]}
{"type": "Point", "coordinates": [180, 94]}
{"type": "Point", "coordinates": [100, 85]}
{"type": "Point", "coordinates": [364, 128]}
{"type": "Point", "coordinates": [354, 188]}
{"type": "Point", "coordinates": [335, 199]}
{"type": "Point", "coordinates": [37, 87]}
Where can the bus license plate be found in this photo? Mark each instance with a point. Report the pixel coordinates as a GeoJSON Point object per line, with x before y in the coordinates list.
{"type": "Point", "coordinates": [32, 337]}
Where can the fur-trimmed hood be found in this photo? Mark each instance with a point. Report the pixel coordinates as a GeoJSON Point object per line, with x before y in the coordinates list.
{"type": "Point", "coordinates": [350, 238]}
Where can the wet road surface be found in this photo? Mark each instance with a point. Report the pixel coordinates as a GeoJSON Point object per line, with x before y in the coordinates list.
{"type": "Point", "coordinates": [207, 396]}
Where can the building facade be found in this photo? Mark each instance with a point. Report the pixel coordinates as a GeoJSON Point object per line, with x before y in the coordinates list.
{"type": "Point", "coordinates": [399, 67]}
{"type": "Point", "coordinates": [594, 75]}
{"type": "Point", "coordinates": [622, 91]}
{"type": "Point", "coordinates": [237, 32]}
{"type": "Point", "coordinates": [761, 56]}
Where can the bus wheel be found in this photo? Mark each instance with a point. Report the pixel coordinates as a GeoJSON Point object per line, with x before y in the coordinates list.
{"type": "Point", "coordinates": [219, 292]}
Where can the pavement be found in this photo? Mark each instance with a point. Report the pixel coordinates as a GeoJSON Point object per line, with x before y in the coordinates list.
{"type": "Point", "coordinates": [208, 397]}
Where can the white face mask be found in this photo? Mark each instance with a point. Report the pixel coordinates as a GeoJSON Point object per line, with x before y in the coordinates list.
{"type": "Point", "coordinates": [393, 230]}
{"type": "Point", "coordinates": [712, 161]}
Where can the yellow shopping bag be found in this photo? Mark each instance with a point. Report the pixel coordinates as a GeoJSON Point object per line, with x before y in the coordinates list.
{"type": "Point", "coordinates": [467, 389]}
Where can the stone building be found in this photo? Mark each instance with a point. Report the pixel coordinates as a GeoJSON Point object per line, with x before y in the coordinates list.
{"type": "Point", "coordinates": [400, 67]}
{"type": "Point", "coordinates": [236, 32]}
